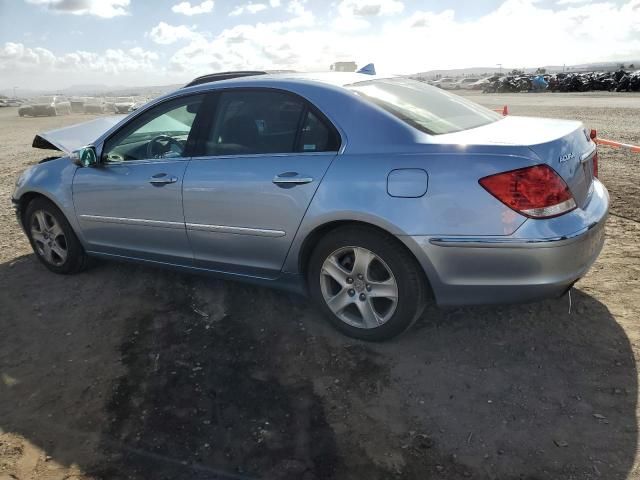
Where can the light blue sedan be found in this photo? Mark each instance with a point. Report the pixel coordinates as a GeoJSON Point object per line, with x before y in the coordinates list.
{"type": "Point", "coordinates": [373, 195]}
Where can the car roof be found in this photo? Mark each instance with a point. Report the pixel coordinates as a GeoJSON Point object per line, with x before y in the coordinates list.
{"type": "Point", "coordinates": [336, 79]}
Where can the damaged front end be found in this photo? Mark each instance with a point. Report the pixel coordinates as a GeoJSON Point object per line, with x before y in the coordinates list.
{"type": "Point", "coordinates": [74, 137]}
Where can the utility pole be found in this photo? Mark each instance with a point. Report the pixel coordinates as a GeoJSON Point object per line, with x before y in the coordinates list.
{"type": "Point", "coordinates": [14, 92]}
{"type": "Point", "coordinates": [499, 65]}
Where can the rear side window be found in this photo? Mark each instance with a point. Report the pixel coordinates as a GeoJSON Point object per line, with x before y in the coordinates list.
{"type": "Point", "coordinates": [263, 122]}
{"type": "Point", "coordinates": [316, 136]}
{"type": "Point", "coordinates": [424, 107]}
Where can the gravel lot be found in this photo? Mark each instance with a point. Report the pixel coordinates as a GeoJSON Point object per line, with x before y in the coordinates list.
{"type": "Point", "coordinates": [131, 372]}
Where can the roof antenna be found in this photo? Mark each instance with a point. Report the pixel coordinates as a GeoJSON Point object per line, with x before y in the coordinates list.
{"type": "Point", "coordinates": [368, 69]}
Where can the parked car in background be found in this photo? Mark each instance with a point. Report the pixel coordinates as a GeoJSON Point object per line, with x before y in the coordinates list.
{"type": "Point", "coordinates": [466, 83]}
{"type": "Point", "coordinates": [140, 102]}
{"type": "Point", "coordinates": [13, 102]}
{"type": "Point", "coordinates": [48, 105]}
{"type": "Point", "coordinates": [479, 84]}
{"type": "Point", "coordinates": [123, 104]}
{"type": "Point", "coordinates": [77, 104]}
{"type": "Point", "coordinates": [95, 105]}
{"type": "Point", "coordinates": [110, 104]}
{"type": "Point", "coordinates": [374, 195]}
{"type": "Point", "coordinates": [446, 83]}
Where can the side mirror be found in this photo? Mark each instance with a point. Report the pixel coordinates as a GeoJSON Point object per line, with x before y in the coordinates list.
{"type": "Point", "coordinates": [85, 157]}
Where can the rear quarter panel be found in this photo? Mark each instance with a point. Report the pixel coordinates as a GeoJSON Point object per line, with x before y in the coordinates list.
{"type": "Point", "coordinates": [355, 188]}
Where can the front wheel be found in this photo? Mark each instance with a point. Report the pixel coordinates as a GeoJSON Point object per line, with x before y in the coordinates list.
{"type": "Point", "coordinates": [52, 238]}
{"type": "Point", "coordinates": [367, 283]}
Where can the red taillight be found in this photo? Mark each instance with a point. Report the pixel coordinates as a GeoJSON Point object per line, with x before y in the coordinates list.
{"type": "Point", "coordinates": [595, 164]}
{"type": "Point", "coordinates": [536, 192]}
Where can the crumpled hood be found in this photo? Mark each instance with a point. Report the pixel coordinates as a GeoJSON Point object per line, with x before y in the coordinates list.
{"type": "Point", "coordinates": [68, 139]}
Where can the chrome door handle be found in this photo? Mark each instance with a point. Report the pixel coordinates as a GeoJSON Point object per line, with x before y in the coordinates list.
{"type": "Point", "coordinates": [291, 178]}
{"type": "Point", "coordinates": [162, 179]}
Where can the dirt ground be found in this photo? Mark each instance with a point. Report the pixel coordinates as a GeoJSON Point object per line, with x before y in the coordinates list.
{"type": "Point", "coordinates": [129, 372]}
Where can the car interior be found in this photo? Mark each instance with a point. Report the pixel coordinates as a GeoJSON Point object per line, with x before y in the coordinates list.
{"type": "Point", "coordinates": [246, 123]}
{"type": "Point", "coordinates": [264, 123]}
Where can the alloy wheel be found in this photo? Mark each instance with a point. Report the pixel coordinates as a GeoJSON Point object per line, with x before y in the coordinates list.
{"type": "Point", "coordinates": [359, 287]}
{"type": "Point", "coordinates": [48, 237]}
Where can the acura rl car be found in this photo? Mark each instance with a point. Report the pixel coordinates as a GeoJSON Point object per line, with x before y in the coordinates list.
{"type": "Point", "coordinates": [374, 195]}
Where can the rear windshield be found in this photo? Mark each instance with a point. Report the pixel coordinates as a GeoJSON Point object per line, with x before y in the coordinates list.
{"type": "Point", "coordinates": [43, 100]}
{"type": "Point", "coordinates": [424, 107]}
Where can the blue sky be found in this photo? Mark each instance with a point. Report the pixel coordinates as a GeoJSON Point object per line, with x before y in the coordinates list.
{"type": "Point", "coordinates": [136, 42]}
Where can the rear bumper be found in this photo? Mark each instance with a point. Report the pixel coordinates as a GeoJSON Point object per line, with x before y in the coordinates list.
{"type": "Point", "coordinates": [516, 268]}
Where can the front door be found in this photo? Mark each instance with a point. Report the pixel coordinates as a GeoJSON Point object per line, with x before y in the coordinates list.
{"type": "Point", "coordinates": [258, 166]}
{"type": "Point", "coordinates": [130, 205]}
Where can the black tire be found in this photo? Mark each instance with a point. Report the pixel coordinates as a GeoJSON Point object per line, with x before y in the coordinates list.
{"type": "Point", "coordinates": [411, 282]}
{"type": "Point", "coordinates": [76, 257]}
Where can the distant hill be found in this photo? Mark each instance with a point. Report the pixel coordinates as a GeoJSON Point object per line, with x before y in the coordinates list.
{"type": "Point", "coordinates": [95, 90]}
{"type": "Point", "coordinates": [479, 71]}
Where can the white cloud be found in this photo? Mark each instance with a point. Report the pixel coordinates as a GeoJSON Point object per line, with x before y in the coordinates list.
{"type": "Point", "coordinates": [397, 41]}
{"type": "Point", "coordinates": [186, 8]}
{"type": "Point", "coordinates": [370, 8]}
{"type": "Point", "coordinates": [353, 14]}
{"type": "Point", "coordinates": [43, 61]}
{"type": "Point", "coordinates": [409, 43]}
{"type": "Point", "coordinates": [99, 8]}
{"type": "Point", "coordinates": [165, 34]}
{"type": "Point", "coordinates": [274, 3]}
{"type": "Point", "coordinates": [250, 7]}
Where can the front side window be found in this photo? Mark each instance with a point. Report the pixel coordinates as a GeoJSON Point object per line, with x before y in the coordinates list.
{"type": "Point", "coordinates": [424, 107]}
{"type": "Point", "coordinates": [159, 133]}
{"type": "Point", "coordinates": [266, 122]}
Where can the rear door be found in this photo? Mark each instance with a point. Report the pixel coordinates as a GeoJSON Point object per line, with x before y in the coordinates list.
{"type": "Point", "coordinates": [258, 166]}
{"type": "Point", "coordinates": [130, 205]}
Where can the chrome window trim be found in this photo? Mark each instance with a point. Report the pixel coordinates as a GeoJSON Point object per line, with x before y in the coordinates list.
{"type": "Point", "coordinates": [260, 232]}
{"type": "Point", "coordinates": [144, 161]}
{"type": "Point", "coordinates": [132, 221]}
{"type": "Point", "coordinates": [510, 242]}
{"type": "Point", "coordinates": [261, 155]}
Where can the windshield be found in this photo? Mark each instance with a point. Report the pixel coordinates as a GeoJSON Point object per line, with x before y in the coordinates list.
{"type": "Point", "coordinates": [124, 99]}
{"type": "Point", "coordinates": [424, 107]}
{"type": "Point", "coordinates": [43, 100]}
{"type": "Point", "coordinates": [94, 101]}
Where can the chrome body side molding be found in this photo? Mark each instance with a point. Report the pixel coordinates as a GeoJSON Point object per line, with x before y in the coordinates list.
{"type": "Point", "coordinates": [132, 221]}
{"type": "Point", "coordinates": [260, 232]}
{"type": "Point", "coordinates": [507, 242]}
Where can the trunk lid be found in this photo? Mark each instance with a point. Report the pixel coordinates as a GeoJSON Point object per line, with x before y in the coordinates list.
{"type": "Point", "coordinates": [564, 145]}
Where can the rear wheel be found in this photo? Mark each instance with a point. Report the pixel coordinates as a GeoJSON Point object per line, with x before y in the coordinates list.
{"type": "Point", "coordinates": [52, 238]}
{"type": "Point", "coordinates": [366, 282]}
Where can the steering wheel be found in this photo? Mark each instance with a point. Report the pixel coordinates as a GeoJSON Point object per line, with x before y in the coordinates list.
{"type": "Point", "coordinates": [151, 146]}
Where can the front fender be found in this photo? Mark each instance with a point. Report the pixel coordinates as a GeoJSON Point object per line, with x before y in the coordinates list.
{"type": "Point", "coordinates": [53, 180]}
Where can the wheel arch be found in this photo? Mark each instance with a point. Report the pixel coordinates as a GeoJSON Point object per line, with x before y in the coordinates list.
{"type": "Point", "coordinates": [313, 237]}
{"type": "Point", "coordinates": [29, 196]}
{"type": "Point", "coordinates": [26, 198]}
